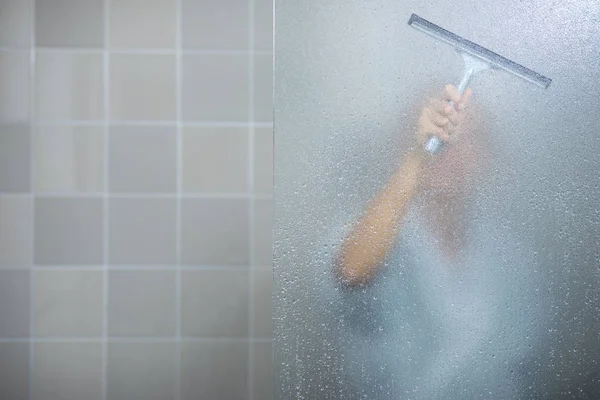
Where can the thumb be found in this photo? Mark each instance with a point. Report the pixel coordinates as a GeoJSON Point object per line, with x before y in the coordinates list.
{"type": "Point", "coordinates": [464, 100]}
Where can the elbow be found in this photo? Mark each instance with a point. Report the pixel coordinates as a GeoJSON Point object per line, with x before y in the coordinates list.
{"type": "Point", "coordinates": [349, 275]}
{"type": "Point", "coordinates": [351, 280]}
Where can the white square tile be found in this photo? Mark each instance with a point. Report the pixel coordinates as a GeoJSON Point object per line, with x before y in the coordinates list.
{"type": "Point", "coordinates": [143, 159]}
{"type": "Point", "coordinates": [142, 231]}
{"type": "Point", "coordinates": [142, 87]}
{"type": "Point", "coordinates": [263, 371]}
{"type": "Point", "coordinates": [143, 23]}
{"type": "Point", "coordinates": [263, 303]}
{"type": "Point", "coordinates": [215, 88]}
{"type": "Point", "coordinates": [214, 371]}
{"type": "Point", "coordinates": [142, 303]}
{"type": "Point", "coordinates": [14, 80]}
{"type": "Point", "coordinates": [69, 231]}
{"type": "Point", "coordinates": [263, 160]}
{"type": "Point", "coordinates": [69, 23]}
{"type": "Point", "coordinates": [215, 303]}
{"type": "Point", "coordinates": [263, 88]}
{"type": "Point", "coordinates": [263, 233]}
{"type": "Point", "coordinates": [69, 303]}
{"type": "Point", "coordinates": [67, 371]}
{"type": "Point", "coordinates": [14, 371]}
{"type": "Point", "coordinates": [142, 371]}
{"type": "Point", "coordinates": [15, 303]}
{"type": "Point", "coordinates": [215, 160]}
{"type": "Point", "coordinates": [69, 86]}
{"type": "Point", "coordinates": [15, 158]}
{"type": "Point", "coordinates": [263, 25]}
{"type": "Point", "coordinates": [15, 232]}
{"type": "Point", "coordinates": [215, 232]}
{"type": "Point", "coordinates": [69, 159]}
{"type": "Point", "coordinates": [219, 24]}
{"type": "Point", "coordinates": [15, 23]}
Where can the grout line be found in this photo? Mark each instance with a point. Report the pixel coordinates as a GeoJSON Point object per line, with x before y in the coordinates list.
{"type": "Point", "coordinates": [68, 268]}
{"type": "Point", "coordinates": [178, 230]}
{"type": "Point", "coordinates": [262, 196]}
{"type": "Point", "coordinates": [142, 195]}
{"type": "Point", "coordinates": [189, 124]}
{"type": "Point", "coordinates": [32, 165]}
{"type": "Point", "coordinates": [15, 49]}
{"type": "Point", "coordinates": [214, 267]}
{"type": "Point", "coordinates": [92, 267]}
{"type": "Point", "coordinates": [24, 195]}
{"type": "Point", "coordinates": [106, 252]}
{"type": "Point", "coordinates": [134, 339]}
{"type": "Point", "coordinates": [262, 268]}
{"type": "Point", "coordinates": [138, 51]}
{"type": "Point", "coordinates": [209, 124]}
{"type": "Point", "coordinates": [9, 121]}
{"type": "Point", "coordinates": [251, 89]}
{"type": "Point", "coordinates": [102, 268]}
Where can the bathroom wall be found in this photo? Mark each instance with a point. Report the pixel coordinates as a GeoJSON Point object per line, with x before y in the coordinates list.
{"type": "Point", "coordinates": [135, 199]}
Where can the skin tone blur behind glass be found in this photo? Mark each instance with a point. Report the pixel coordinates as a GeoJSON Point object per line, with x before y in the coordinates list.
{"type": "Point", "coordinates": [444, 182]}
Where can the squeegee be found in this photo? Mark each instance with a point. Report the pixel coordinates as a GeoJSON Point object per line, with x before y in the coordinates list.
{"type": "Point", "coordinates": [476, 59]}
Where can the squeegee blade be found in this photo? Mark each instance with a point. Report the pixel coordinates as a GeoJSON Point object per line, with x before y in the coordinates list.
{"type": "Point", "coordinates": [462, 44]}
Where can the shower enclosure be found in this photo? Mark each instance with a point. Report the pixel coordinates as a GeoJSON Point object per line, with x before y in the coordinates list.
{"type": "Point", "coordinates": [518, 315]}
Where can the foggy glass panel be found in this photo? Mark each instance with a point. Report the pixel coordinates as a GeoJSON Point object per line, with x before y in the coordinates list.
{"type": "Point", "coordinates": [508, 307]}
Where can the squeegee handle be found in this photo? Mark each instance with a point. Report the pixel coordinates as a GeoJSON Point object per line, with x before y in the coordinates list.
{"type": "Point", "coordinates": [434, 144]}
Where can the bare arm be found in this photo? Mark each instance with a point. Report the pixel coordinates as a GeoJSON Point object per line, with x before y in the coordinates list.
{"type": "Point", "coordinates": [373, 236]}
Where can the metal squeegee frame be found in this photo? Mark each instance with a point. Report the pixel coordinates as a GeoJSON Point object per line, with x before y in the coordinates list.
{"type": "Point", "coordinates": [495, 60]}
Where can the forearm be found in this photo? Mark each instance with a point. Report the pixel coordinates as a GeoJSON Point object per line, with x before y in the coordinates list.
{"type": "Point", "coordinates": [373, 237]}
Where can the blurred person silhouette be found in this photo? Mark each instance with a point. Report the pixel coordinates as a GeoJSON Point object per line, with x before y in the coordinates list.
{"type": "Point", "coordinates": [443, 179]}
{"type": "Point", "coordinates": [427, 283]}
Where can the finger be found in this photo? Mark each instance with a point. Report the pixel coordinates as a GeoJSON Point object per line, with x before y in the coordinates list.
{"type": "Point", "coordinates": [451, 93]}
{"type": "Point", "coordinates": [436, 118]}
{"type": "Point", "coordinates": [453, 130]}
{"type": "Point", "coordinates": [444, 136]}
{"type": "Point", "coordinates": [454, 118]}
{"type": "Point", "coordinates": [440, 106]}
{"type": "Point", "coordinates": [465, 99]}
{"type": "Point", "coordinates": [427, 126]}
{"type": "Point", "coordinates": [444, 109]}
{"type": "Point", "coordinates": [467, 96]}
{"type": "Point", "coordinates": [435, 130]}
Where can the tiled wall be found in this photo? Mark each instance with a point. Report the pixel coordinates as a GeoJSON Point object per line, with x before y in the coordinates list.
{"type": "Point", "coordinates": [135, 199]}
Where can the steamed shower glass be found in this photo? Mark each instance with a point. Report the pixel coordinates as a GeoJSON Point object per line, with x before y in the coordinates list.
{"type": "Point", "coordinates": [519, 318]}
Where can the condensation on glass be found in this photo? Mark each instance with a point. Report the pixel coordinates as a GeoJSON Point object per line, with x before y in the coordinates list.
{"type": "Point", "coordinates": [518, 316]}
